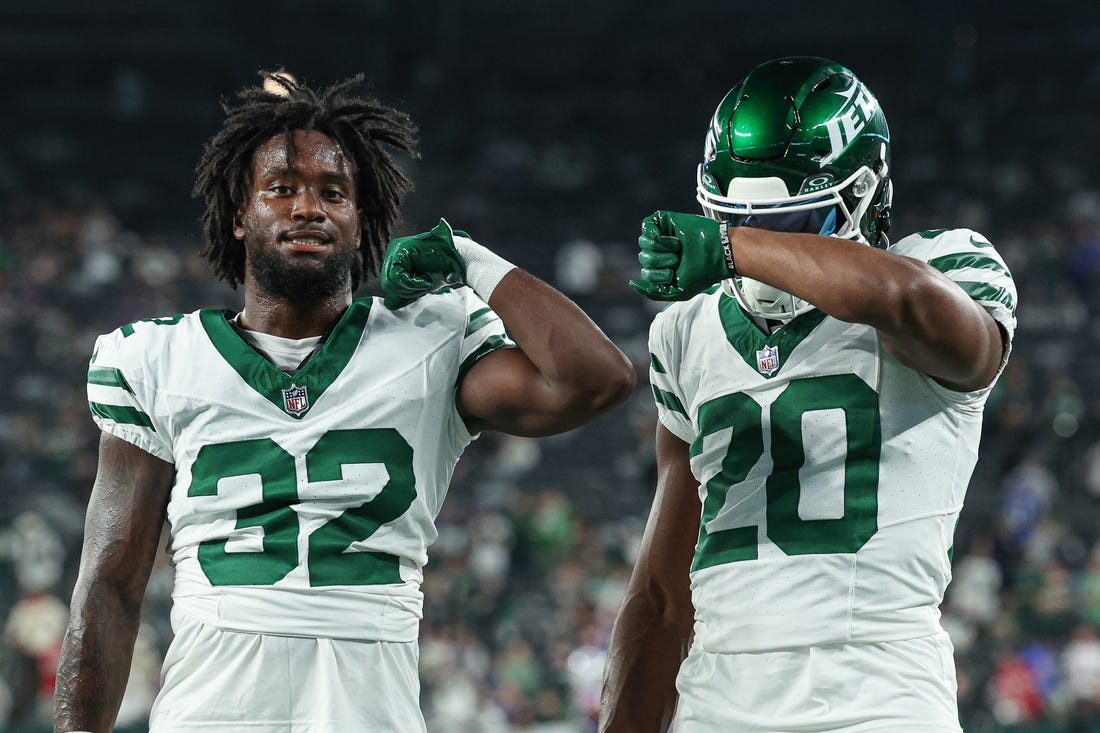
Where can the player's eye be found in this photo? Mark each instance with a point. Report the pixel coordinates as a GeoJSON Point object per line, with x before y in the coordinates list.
{"type": "Point", "coordinates": [334, 194]}
{"type": "Point", "coordinates": [281, 188]}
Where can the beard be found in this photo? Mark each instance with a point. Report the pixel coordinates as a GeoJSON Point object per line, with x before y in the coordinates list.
{"type": "Point", "coordinates": [281, 278]}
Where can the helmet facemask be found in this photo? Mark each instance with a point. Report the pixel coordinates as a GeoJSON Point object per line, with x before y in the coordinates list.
{"type": "Point", "coordinates": [764, 203]}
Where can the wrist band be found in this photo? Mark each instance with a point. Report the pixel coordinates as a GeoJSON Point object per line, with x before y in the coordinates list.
{"type": "Point", "coordinates": [484, 269]}
{"type": "Point", "coordinates": [727, 248]}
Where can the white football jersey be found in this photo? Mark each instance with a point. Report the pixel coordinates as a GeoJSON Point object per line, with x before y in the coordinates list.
{"type": "Point", "coordinates": [831, 475]}
{"type": "Point", "coordinates": [303, 505]}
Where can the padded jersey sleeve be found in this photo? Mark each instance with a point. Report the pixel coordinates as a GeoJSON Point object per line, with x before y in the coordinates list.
{"type": "Point", "coordinates": [664, 365]}
{"type": "Point", "coordinates": [119, 395]}
{"type": "Point", "coordinates": [484, 333]}
{"type": "Point", "coordinates": [973, 263]}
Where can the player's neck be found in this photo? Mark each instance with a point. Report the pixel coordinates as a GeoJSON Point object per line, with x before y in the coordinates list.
{"type": "Point", "coordinates": [767, 325]}
{"type": "Point", "coordinates": [280, 317]}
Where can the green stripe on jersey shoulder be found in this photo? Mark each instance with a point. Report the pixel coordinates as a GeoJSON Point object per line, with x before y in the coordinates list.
{"type": "Point", "coordinates": [747, 339]}
{"type": "Point", "coordinates": [128, 329]}
{"type": "Point", "coordinates": [108, 377]}
{"type": "Point", "coordinates": [493, 343]}
{"type": "Point", "coordinates": [987, 292]}
{"type": "Point", "coordinates": [931, 233]}
{"type": "Point", "coordinates": [322, 369]}
{"type": "Point", "coordinates": [669, 400]}
{"type": "Point", "coordinates": [961, 260]}
{"type": "Point", "coordinates": [657, 365]}
{"type": "Point", "coordinates": [122, 415]}
{"type": "Point", "coordinates": [479, 319]}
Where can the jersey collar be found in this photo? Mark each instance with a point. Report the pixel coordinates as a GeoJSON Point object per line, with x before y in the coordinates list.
{"type": "Point", "coordinates": [314, 377]}
{"type": "Point", "coordinates": [748, 340]}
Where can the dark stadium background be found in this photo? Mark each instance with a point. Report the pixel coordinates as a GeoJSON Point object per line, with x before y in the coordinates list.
{"type": "Point", "coordinates": [548, 130]}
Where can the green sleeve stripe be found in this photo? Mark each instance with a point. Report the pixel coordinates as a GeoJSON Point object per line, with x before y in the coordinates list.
{"type": "Point", "coordinates": [962, 260]}
{"type": "Point", "coordinates": [128, 329]}
{"type": "Point", "coordinates": [493, 343]}
{"type": "Point", "coordinates": [931, 233]}
{"type": "Point", "coordinates": [669, 400]}
{"type": "Point", "coordinates": [108, 377]}
{"type": "Point", "coordinates": [951, 549]}
{"type": "Point", "coordinates": [122, 415]}
{"type": "Point", "coordinates": [479, 319]}
{"type": "Point", "coordinates": [987, 292]}
{"type": "Point", "coordinates": [657, 365]}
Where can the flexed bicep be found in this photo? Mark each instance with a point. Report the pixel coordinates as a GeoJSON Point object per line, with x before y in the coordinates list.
{"type": "Point", "coordinates": [564, 373]}
{"type": "Point", "coordinates": [949, 337]}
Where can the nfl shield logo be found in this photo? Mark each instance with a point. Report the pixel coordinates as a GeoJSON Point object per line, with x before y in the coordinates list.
{"type": "Point", "coordinates": [767, 360]}
{"type": "Point", "coordinates": [295, 400]}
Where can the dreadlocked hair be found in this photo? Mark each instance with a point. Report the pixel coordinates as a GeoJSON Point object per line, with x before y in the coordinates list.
{"type": "Point", "coordinates": [361, 126]}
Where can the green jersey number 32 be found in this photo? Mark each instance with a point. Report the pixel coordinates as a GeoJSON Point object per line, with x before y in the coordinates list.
{"type": "Point", "coordinates": [784, 527]}
{"type": "Point", "coordinates": [328, 560]}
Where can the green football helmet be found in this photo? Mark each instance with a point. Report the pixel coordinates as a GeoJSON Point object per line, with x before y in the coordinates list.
{"type": "Point", "coordinates": [799, 145]}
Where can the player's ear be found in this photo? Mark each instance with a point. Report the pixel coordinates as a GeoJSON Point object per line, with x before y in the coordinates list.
{"type": "Point", "coordinates": [238, 223]}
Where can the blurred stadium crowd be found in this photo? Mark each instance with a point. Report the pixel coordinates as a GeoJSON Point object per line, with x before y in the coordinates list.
{"type": "Point", "coordinates": [537, 538]}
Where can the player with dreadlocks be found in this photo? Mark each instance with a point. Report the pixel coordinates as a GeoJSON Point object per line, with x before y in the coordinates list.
{"type": "Point", "coordinates": [301, 449]}
{"type": "Point", "coordinates": [359, 125]}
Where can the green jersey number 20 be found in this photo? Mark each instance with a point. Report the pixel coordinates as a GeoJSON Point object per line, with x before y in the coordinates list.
{"type": "Point", "coordinates": [792, 534]}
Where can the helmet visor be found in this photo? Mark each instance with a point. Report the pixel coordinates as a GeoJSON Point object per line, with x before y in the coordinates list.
{"type": "Point", "coordinates": [807, 221]}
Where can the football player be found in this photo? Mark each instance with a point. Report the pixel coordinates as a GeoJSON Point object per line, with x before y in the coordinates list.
{"type": "Point", "coordinates": [819, 395]}
{"type": "Point", "coordinates": [301, 449]}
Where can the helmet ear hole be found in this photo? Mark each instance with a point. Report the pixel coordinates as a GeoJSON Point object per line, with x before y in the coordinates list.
{"type": "Point", "coordinates": [883, 220]}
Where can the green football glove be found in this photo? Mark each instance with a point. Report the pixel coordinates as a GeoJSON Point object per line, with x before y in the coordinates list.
{"type": "Point", "coordinates": [413, 266]}
{"type": "Point", "coordinates": [681, 255]}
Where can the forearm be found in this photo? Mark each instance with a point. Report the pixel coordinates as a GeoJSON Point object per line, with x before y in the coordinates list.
{"type": "Point", "coordinates": [121, 533]}
{"type": "Point", "coordinates": [907, 301]}
{"type": "Point", "coordinates": [847, 280]}
{"type": "Point", "coordinates": [639, 688]}
{"type": "Point", "coordinates": [95, 659]}
{"type": "Point", "coordinates": [654, 626]}
{"type": "Point", "coordinates": [565, 373]}
{"type": "Point", "coordinates": [571, 353]}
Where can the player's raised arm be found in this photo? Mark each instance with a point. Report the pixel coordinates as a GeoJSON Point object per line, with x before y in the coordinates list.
{"type": "Point", "coordinates": [565, 372]}
{"type": "Point", "coordinates": [121, 533]}
{"type": "Point", "coordinates": [926, 320]}
{"type": "Point", "coordinates": [653, 629]}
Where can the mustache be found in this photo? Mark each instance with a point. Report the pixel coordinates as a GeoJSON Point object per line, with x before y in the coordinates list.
{"type": "Point", "coordinates": [306, 231]}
